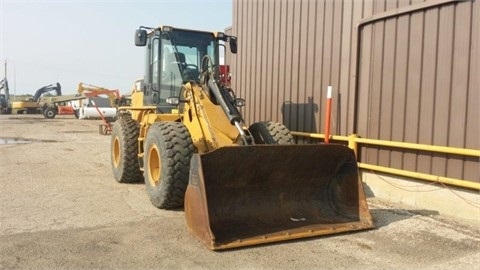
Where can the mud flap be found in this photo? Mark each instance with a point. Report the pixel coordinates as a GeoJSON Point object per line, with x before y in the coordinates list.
{"type": "Point", "coordinates": [247, 195]}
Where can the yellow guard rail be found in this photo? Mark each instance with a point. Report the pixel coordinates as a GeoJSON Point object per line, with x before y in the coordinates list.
{"type": "Point", "coordinates": [353, 141]}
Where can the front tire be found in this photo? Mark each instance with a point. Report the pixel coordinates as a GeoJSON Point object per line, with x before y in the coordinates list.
{"type": "Point", "coordinates": [168, 150]}
{"type": "Point", "coordinates": [124, 150]}
{"type": "Point", "coordinates": [270, 133]}
{"type": "Point", "coordinates": [49, 113]}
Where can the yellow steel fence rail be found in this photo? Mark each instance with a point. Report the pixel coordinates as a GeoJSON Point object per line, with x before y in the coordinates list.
{"type": "Point", "coordinates": [353, 142]}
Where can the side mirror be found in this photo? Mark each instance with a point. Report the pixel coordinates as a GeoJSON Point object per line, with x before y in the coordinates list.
{"type": "Point", "coordinates": [233, 44]}
{"type": "Point", "coordinates": [140, 37]}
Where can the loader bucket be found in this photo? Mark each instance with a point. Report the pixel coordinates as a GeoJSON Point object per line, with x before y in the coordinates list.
{"type": "Point", "coordinates": [247, 195]}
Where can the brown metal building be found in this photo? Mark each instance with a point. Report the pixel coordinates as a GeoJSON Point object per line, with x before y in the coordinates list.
{"type": "Point", "coordinates": [401, 70]}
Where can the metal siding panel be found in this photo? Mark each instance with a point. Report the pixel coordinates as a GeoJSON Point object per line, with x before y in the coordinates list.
{"type": "Point", "coordinates": [243, 52]}
{"type": "Point", "coordinates": [346, 62]}
{"type": "Point", "coordinates": [259, 93]}
{"type": "Point", "coordinates": [414, 81]}
{"type": "Point", "coordinates": [244, 40]}
{"type": "Point", "coordinates": [278, 35]}
{"type": "Point", "coordinates": [287, 79]}
{"type": "Point", "coordinates": [259, 66]}
{"type": "Point", "coordinates": [363, 115]}
{"type": "Point", "coordinates": [387, 84]}
{"type": "Point", "coordinates": [319, 52]}
{"type": "Point", "coordinates": [375, 89]}
{"type": "Point", "coordinates": [252, 57]}
{"type": "Point", "coordinates": [295, 117]}
{"type": "Point", "coordinates": [472, 141]}
{"type": "Point", "coordinates": [267, 92]}
{"type": "Point", "coordinates": [322, 65]}
{"type": "Point", "coordinates": [283, 64]}
{"type": "Point", "coordinates": [255, 53]}
{"type": "Point", "coordinates": [357, 15]}
{"type": "Point", "coordinates": [399, 99]}
{"type": "Point", "coordinates": [335, 66]}
{"type": "Point", "coordinates": [303, 28]}
{"type": "Point", "coordinates": [309, 81]}
{"type": "Point", "coordinates": [458, 103]}
{"type": "Point", "coordinates": [246, 58]}
{"type": "Point", "coordinates": [443, 86]}
{"type": "Point", "coordinates": [428, 87]}
{"type": "Point", "coordinates": [404, 3]}
{"type": "Point", "coordinates": [290, 51]}
{"type": "Point", "coordinates": [269, 37]}
{"type": "Point", "coordinates": [245, 55]}
{"type": "Point", "coordinates": [327, 60]}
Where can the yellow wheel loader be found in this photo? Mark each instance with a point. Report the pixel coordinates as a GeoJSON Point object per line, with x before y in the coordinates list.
{"type": "Point", "coordinates": [184, 135]}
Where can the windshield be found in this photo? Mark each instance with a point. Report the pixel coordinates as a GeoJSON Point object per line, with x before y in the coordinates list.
{"type": "Point", "coordinates": [181, 53]}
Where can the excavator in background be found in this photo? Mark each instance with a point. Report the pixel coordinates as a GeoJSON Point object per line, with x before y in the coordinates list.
{"type": "Point", "coordinates": [86, 108]}
{"type": "Point", "coordinates": [50, 106]}
{"type": "Point", "coordinates": [239, 185]}
{"type": "Point", "coordinates": [5, 106]}
{"type": "Point", "coordinates": [105, 113]}
{"type": "Point", "coordinates": [37, 103]}
{"type": "Point", "coordinates": [84, 91]}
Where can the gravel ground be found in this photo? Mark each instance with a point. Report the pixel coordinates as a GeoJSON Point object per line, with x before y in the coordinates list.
{"type": "Point", "coordinates": [60, 208]}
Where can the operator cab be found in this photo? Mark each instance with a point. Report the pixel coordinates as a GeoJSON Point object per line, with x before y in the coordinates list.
{"type": "Point", "coordinates": [3, 101]}
{"type": "Point", "coordinates": [174, 57]}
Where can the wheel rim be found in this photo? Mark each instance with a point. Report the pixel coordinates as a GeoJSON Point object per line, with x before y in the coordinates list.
{"type": "Point", "coordinates": [116, 152]}
{"type": "Point", "coordinates": [154, 169]}
{"type": "Point", "coordinates": [50, 113]}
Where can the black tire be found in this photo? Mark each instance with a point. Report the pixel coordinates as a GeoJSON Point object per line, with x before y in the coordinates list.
{"type": "Point", "coordinates": [124, 151]}
{"type": "Point", "coordinates": [168, 150]}
{"type": "Point", "coordinates": [270, 133]}
{"type": "Point", "coordinates": [76, 113]}
{"type": "Point", "coordinates": [49, 113]}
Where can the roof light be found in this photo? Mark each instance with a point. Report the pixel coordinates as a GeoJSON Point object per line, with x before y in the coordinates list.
{"type": "Point", "coordinates": [220, 35]}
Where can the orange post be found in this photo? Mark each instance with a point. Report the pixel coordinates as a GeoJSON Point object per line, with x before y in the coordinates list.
{"type": "Point", "coordinates": [328, 114]}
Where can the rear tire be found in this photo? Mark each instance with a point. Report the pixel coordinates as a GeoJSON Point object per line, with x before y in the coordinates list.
{"type": "Point", "coordinates": [270, 133]}
{"type": "Point", "coordinates": [168, 150]}
{"type": "Point", "coordinates": [124, 150]}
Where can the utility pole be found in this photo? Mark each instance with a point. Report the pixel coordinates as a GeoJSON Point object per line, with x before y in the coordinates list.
{"type": "Point", "coordinates": [5, 68]}
{"type": "Point", "coordinates": [6, 90]}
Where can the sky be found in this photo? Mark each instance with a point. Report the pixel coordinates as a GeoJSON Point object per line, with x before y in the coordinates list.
{"type": "Point", "coordinates": [89, 41]}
